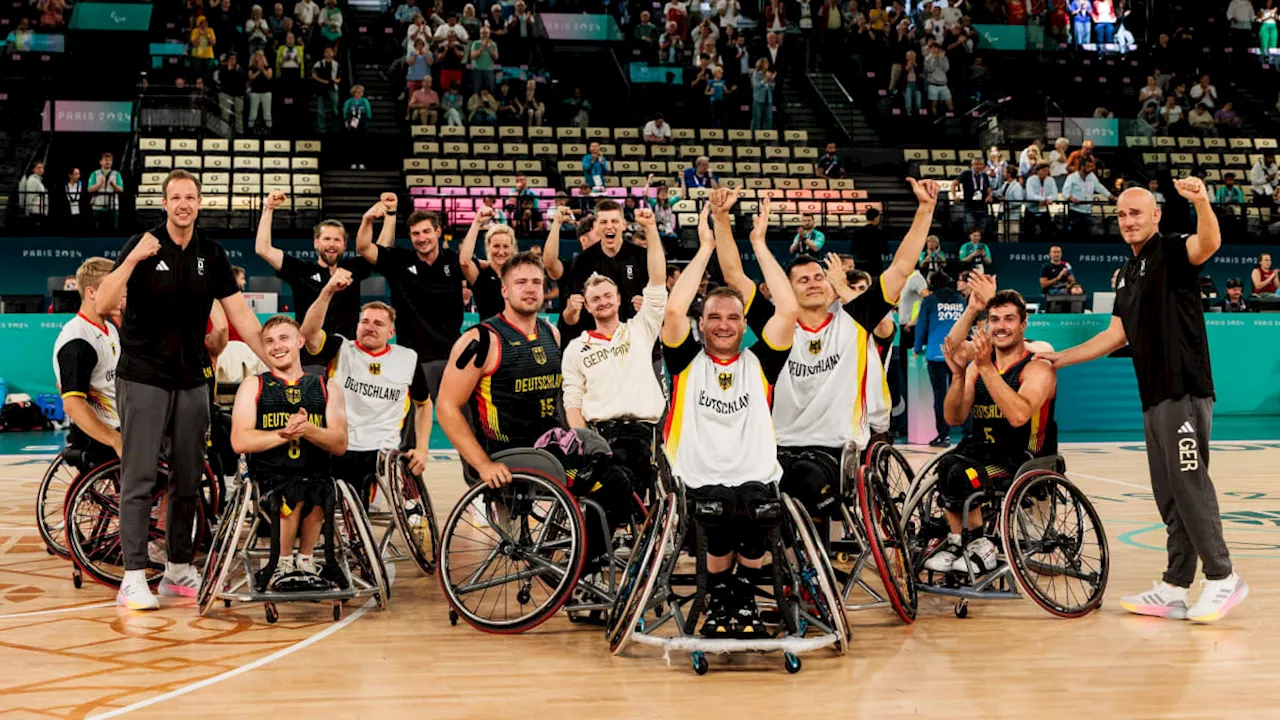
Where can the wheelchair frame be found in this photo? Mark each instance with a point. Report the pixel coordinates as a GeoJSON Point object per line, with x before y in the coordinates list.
{"type": "Point", "coordinates": [393, 479]}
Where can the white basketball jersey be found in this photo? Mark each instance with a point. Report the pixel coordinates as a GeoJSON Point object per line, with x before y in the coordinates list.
{"type": "Point", "coordinates": [821, 398]}
{"type": "Point", "coordinates": [719, 430]}
{"type": "Point", "coordinates": [376, 389]}
{"type": "Point", "coordinates": [105, 341]}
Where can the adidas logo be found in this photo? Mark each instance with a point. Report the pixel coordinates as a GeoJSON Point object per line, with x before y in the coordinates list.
{"type": "Point", "coordinates": [413, 270]}
{"type": "Point", "coordinates": [1187, 429]}
{"type": "Point", "coordinates": [316, 278]}
{"type": "Point", "coordinates": [162, 265]}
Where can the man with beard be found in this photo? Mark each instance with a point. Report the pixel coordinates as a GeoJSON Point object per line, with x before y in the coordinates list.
{"type": "Point", "coordinates": [1011, 397]}
{"type": "Point", "coordinates": [484, 275]}
{"type": "Point", "coordinates": [306, 278]}
{"type": "Point", "coordinates": [834, 389]}
{"type": "Point", "coordinates": [622, 262]}
{"type": "Point", "coordinates": [512, 390]}
{"type": "Point", "coordinates": [1158, 313]}
{"type": "Point", "coordinates": [719, 435]}
{"type": "Point", "coordinates": [378, 379]}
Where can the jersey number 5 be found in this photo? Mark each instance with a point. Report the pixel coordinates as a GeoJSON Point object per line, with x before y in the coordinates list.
{"type": "Point", "coordinates": [991, 438]}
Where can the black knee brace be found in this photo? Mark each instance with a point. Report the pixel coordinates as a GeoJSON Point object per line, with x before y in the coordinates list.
{"type": "Point", "coordinates": [713, 510]}
{"type": "Point", "coordinates": [812, 480]}
{"type": "Point", "coordinates": [958, 478]}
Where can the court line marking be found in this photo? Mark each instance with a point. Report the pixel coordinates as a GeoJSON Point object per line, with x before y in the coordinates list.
{"type": "Point", "coordinates": [1108, 480]}
{"type": "Point", "coordinates": [34, 613]}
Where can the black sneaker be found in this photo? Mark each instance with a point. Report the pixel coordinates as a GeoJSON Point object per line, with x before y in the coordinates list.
{"type": "Point", "coordinates": [941, 441]}
{"type": "Point", "coordinates": [719, 622]}
{"type": "Point", "coordinates": [746, 616]}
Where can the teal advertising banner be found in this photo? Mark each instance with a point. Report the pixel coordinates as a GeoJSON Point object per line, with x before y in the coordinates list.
{"type": "Point", "coordinates": [645, 73]}
{"type": "Point", "coordinates": [1001, 37]}
{"type": "Point", "coordinates": [568, 26]}
{"type": "Point", "coordinates": [1104, 132]}
{"type": "Point", "coordinates": [111, 16]}
{"type": "Point", "coordinates": [89, 116]}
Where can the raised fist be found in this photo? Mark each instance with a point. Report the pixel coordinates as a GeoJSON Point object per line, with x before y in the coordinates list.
{"type": "Point", "coordinates": [389, 200]}
{"type": "Point", "coordinates": [276, 199]}
{"type": "Point", "coordinates": [146, 247]}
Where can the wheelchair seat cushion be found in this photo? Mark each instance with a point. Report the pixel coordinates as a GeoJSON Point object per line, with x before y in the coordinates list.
{"type": "Point", "coordinates": [531, 461]}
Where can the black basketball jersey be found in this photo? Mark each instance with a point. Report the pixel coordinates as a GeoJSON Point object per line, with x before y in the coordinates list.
{"type": "Point", "coordinates": [278, 401]}
{"type": "Point", "coordinates": [1037, 437]}
{"type": "Point", "coordinates": [520, 400]}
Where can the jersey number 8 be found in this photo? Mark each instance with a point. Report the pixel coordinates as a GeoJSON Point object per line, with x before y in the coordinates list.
{"type": "Point", "coordinates": [295, 450]}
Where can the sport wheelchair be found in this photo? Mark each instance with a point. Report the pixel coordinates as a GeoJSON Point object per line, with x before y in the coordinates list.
{"type": "Point", "coordinates": [411, 514]}
{"type": "Point", "coordinates": [511, 557]}
{"type": "Point", "coordinates": [654, 598]}
{"type": "Point", "coordinates": [234, 569]}
{"type": "Point", "coordinates": [1052, 546]}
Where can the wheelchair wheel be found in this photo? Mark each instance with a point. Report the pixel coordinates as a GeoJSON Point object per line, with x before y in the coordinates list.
{"type": "Point", "coordinates": [415, 515]}
{"type": "Point", "coordinates": [510, 557]}
{"type": "Point", "coordinates": [894, 471]}
{"type": "Point", "coordinates": [924, 526]}
{"type": "Point", "coordinates": [1055, 544]}
{"type": "Point", "coordinates": [883, 530]}
{"type": "Point", "coordinates": [360, 541]}
{"type": "Point", "coordinates": [225, 546]}
{"type": "Point", "coordinates": [815, 571]}
{"type": "Point", "coordinates": [642, 574]}
{"type": "Point", "coordinates": [92, 521]}
{"type": "Point", "coordinates": [51, 504]}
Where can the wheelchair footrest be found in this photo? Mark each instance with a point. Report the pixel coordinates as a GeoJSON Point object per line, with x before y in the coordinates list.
{"type": "Point", "coordinates": [723, 646]}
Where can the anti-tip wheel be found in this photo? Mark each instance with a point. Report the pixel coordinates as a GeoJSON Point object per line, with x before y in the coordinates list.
{"type": "Point", "coordinates": [272, 614]}
{"type": "Point", "coordinates": [453, 618]}
{"type": "Point", "coordinates": [962, 609]}
{"type": "Point", "coordinates": [337, 612]}
{"type": "Point", "coordinates": [77, 579]}
{"type": "Point", "coordinates": [700, 665]}
{"type": "Point", "coordinates": [226, 604]}
{"type": "Point", "coordinates": [792, 663]}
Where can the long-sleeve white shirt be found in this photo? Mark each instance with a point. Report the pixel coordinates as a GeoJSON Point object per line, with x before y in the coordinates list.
{"type": "Point", "coordinates": [1035, 191]}
{"type": "Point", "coordinates": [1262, 178]}
{"type": "Point", "coordinates": [1086, 189]}
{"type": "Point", "coordinates": [611, 377]}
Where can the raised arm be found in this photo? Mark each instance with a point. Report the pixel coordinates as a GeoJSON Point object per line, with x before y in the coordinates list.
{"type": "Point", "coordinates": [675, 321]}
{"type": "Point", "coordinates": [551, 249]}
{"type": "Point", "coordinates": [467, 251]}
{"type": "Point", "coordinates": [241, 317]}
{"type": "Point", "coordinates": [959, 399]}
{"type": "Point", "coordinates": [215, 341]}
{"type": "Point", "coordinates": [727, 249]}
{"type": "Point", "coordinates": [262, 244]}
{"type": "Point", "coordinates": [981, 289]}
{"type": "Point", "coordinates": [365, 246]}
{"type": "Point", "coordinates": [1208, 237]}
{"type": "Point", "coordinates": [1104, 343]}
{"type": "Point", "coordinates": [387, 236]}
{"type": "Point", "coordinates": [111, 290]}
{"type": "Point", "coordinates": [655, 255]}
{"type": "Point", "coordinates": [313, 323]}
{"type": "Point", "coordinates": [895, 276]}
{"type": "Point", "coordinates": [781, 328]}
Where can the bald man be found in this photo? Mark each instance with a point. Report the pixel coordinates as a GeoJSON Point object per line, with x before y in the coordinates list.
{"type": "Point", "coordinates": [1158, 313]}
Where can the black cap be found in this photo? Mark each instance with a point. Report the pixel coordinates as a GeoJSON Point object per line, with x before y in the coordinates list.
{"type": "Point", "coordinates": [1235, 282]}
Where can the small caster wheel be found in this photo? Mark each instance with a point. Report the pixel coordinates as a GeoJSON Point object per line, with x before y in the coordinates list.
{"type": "Point", "coordinates": [640, 625]}
{"type": "Point", "coordinates": [962, 609]}
{"type": "Point", "coordinates": [792, 662]}
{"type": "Point", "coordinates": [272, 614]}
{"type": "Point", "coordinates": [523, 596]}
{"type": "Point", "coordinates": [77, 579]}
{"type": "Point", "coordinates": [226, 604]}
{"type": "Point", "coordinates": [453, 618]}
{"type": "Point", "coordinates": [337, 612]}
{"type": "Point", "coordinates": [48, 550]}
{"type": "Point", "coordinates": [700, 663]}
{"type": "Point", "coordinates": [842, 558]}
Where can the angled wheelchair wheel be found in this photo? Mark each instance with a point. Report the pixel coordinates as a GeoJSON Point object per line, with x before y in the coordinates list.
{"type": "Point", "coordinates": [1055, 544]}
{"type": "Point", "coordinates": [92, 522]}
{"type": "Point", "coordinates": [894, 471]}
{"type": "Point", "coordinates": [51, 503]}
{"type": "Point", "coordinates": [815, 572]}
{"type": "Point", "coordinates": [924, 526]}
{"type": "Point", "coordinates": [414, 513]}
{"type": "Point", "coordinates": [224, 549]}
{"type": "Point", "coordinates": [642, 574]}
{"type": "Point", "coordinates": [888, 545]}
{"type": "Point", "coordinates": [510, 557]}
{"type": "Point", "coordinates": [360, 541]}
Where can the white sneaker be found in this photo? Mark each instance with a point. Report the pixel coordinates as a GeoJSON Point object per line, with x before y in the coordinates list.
{"type": "Point", "coordinates": [284, 566]}
{"type": "Point", "coordinates": [134, 592]}
{"type": "Point", "coordinates": [1162, 600]}
{"type": "Point", "coordinates": [306, 564]}
{"type": "Point", "coordinates": [413, 513]}
{"type": "Point", "coordinates": [946, 556]}
{"type": "Point", "coordinates": [180, 580]}
{"type": "Point", "coordinates": [1217, 597]}
{"type": "Point", "coordinates": [980, 555]}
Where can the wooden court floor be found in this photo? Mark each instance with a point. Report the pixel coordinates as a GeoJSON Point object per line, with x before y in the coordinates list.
{"type": "Point", "coordinates": [70, 653]}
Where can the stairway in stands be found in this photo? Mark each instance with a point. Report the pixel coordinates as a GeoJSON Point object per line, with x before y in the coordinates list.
{"type": "Point", "coordinates": [843, 112]}
{"type": "Point", "coordinates": [349, 193]}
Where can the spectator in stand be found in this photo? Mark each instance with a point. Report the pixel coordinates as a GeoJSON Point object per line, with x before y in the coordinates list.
{"type": "Point", "coordinates": [657, 130]}
{"type": "Point", "coordinates": [1081, 190]}
{"type": "Point", "coordinates": [975, 193]}
{"type": "Point", "coordinates": [279, 23]}
{"type": "Point", "coordinates": [35, 200]}
{"type": "Point", "coordinates": [938, 314]}
{"type": "Point", "coordinates": [932, 259]}
{"type": "Point", "coordinates": [1084, 153]}
{"type": "Point", "coordinates": [484, 55]}
{"type": "Point", "coordinates": [256, 30]}
{"type": "Point", "coordinates": [1104, 22]}
{"type": "Point", "coordinates": [727, 12]}
{"type": "Point", "coordinates": [482, 109]}
{"type": "Point", "coordinates": [646, 34]}
{"type": "Point", "coordinates": [1153, 186]}
{"type": "Point", "coordinates": [1266, 281]}
{"type": "Point", "coordinates": [909, 82]}
{"type": "Point", "coordinates": [700, 175]}
{"type": "Point", "coordinates": [418, 30]}
{"type": "Point", "coordinates": [417, 65]}
{"type": "Point", "coordinates": [534, 109]}
{"type": "Point", "coordinates": [716, 93]}
{"type": "Point", "coordinates": [1150, 116]}
{"type": "Point", "coordinates": [671, 46]}
{"type": "Point", "coordinates": [1081, 21]}
{"type": "Point", "coordinates": [510, 111]}
{"type": "Point", "coordinates": [1009, 191]}
{"type": "Point", "coordinates": [1264, 178]}
{"type": "Point", "coordinates": [936, 67]}
{"type": "Point", "coordinates": [73, 195]}
{"type": "Point", "coordinates": [451, 57]}
{"type": "Point", "coordinates": [1268, 14]}
{"type": "Point", "coordinates": [231, 82]}
{"type": "Point", "coordinates": [1204, 93]}
{"type": "Point", "coordinates": [1228, 192]}
{"type": "Point", "coordinates": [1028, 160]}
{"type": "Point", "coordinates": [331, 23]}
{"type": "Point", "coordinates": [306, 13]}
{"type": "Point", "coordinates": [663, 203]}
{"type": "Point", "coordinates": [1171, 115]}
{"type": "Point", "coordinates": [1225, 119]}
{"type": "Point", "coordinates": [1151, 93]}
{"type": "Point", "coordinates": [828, 165]}
{"type": "Point", "coordinates": [202, 44]}
{"type": "Point", "coordinates": [52, 13]}
{"type": "Point", "coordinates": [762, 82]}
{"type": "Point", "coordinates": [291, 68]}
{"type": "Point", "coordinates": [451, 28]}
{"type": "Point", "coordinates": [452, 105]}
{"type": "Point", "coordinates": [677, 11]}
{"type": "Point", "coordinates": [327, 77]}
{"type": "Point", "coordinates": [406, 13]}
{"type": "Point", "coordinates": [424, 104]}
{"type": "Point", "coordinates": [1039, 191]}
{"type": "Point", "coordinates": [995, 164]}
{"type": "Point", "coordinates": [1056, 275]}
{"type": "Point", "coordinates": [521, 29]}
{"type": "Point", "coordinates": [809, 240]}
{"type": "Point", "coordinates": [773, 50]}
{"type": "Point", "coordinates": [1201, 121]}
{"type": "Point", "coordinates": [1234, 300]}
{"type": "Point", "coordinates": [975, 254]}
{"type": "Point", "coordinates": [595, 167]}
{"type": "Point", "coordinates": [356, 113]}
{"type": "Point", "coordinates": [577, 109]}
{"type": "Point", "coordinates": [470, 22]}
{"type": "Point", "coordinates": [226, 26]}
{"type": "Point", "coordinates": [105, 185]}
{"type": "Point", "coordinates": [1058, 169]}
{"type": "Point", "coordinates": [259, 86]}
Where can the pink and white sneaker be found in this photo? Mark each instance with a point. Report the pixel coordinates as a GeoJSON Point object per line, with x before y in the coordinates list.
{"type": "Point", "coordinates": [1162, 600]}
{"type": "Point", "coordinates": [180, 581]}
{"type": "Point", "coordinates": [1217, 598]}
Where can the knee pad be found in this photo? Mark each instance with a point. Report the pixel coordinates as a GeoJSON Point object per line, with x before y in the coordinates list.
{"type": "Point", "coordinates": [812, 482]}
{"type": "Point", "coordinates": [713, 506]}
{"type": "Point", "coordinates": [959, 478]}
{"type": "Point", "coordinates": [761, 504]}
